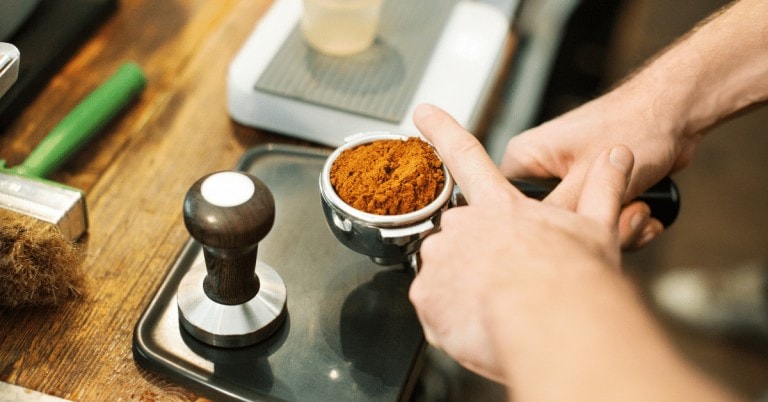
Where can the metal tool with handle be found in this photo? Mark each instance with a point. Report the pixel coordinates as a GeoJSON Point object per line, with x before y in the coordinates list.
{"type": "Point", "coordinates": [233, 299]}
{"type": "Point", "coordinates": [23, 188]}
{"type": "Point", "coordinates": [83, 122]}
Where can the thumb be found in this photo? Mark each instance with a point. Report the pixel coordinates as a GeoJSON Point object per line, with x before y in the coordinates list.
{"type": "Point", "coordinates": [605, 186]}
{"type": "Point", "coordinates": [530, 155]}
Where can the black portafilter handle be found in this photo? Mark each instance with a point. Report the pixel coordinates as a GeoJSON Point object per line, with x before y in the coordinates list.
{"type": "Point", "coordinates": [663, 198]}
{"type": "Point", "coordinates": [229, 213]}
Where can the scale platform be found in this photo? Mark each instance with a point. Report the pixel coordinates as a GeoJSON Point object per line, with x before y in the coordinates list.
{"type": "Point", "coordinates": [351, 333]}
{"type": "Point", "coordinates": [445, 52]}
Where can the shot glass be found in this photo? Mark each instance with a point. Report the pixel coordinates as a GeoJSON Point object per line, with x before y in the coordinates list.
{"type": "Point", "coordinates": [340, 27]}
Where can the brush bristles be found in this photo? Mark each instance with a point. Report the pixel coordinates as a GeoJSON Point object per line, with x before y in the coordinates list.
{"type": "Point", "coordinates": [38, 265]}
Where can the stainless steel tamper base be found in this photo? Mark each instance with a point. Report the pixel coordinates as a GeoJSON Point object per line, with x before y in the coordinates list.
{"type": "Point", "coordinates": [232, 325]}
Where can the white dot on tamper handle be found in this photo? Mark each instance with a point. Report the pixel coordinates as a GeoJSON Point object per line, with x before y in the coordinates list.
{"type": "Point", "coordinates": [227, 189]}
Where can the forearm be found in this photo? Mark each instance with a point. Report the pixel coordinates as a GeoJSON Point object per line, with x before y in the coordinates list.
{"type": "Point", "coordinates": [709, 74]}
{"type": "Point", "coordinates": [661, 111]}
{"type": "Point", "coordinates": [590, 342]}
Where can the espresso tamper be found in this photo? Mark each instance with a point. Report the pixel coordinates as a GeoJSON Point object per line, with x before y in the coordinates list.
{"type": "Point", "coordinates": [234, 300]}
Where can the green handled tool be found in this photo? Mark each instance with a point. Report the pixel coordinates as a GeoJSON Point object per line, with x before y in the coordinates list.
{"type": "Point", "coordinates": [23, 188]}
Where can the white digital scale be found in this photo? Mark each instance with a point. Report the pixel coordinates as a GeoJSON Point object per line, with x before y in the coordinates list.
{"type": "Point", "coordinates": [444, 52]}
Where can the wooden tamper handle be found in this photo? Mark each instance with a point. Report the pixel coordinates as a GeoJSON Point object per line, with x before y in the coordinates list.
{"type": "Point", "coordinates": [229, 213]}
{"type": "Point", "coordinates": [235, 300]}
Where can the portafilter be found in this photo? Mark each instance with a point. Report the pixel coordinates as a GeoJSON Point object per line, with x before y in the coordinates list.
{"type": "Point", "coordinates": [395, 239]}
{"type": "Point", "coordinates": [386, 239]}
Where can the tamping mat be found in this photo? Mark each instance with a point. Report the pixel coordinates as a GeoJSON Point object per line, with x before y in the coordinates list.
{"type": "Point", "coordinates": [378, 82]}
{"type": "Point", "coordinates": [351, 334]}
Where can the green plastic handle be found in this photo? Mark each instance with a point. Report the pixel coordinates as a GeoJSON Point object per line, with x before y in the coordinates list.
{"type": "Point", "coordinates": [84, 122]}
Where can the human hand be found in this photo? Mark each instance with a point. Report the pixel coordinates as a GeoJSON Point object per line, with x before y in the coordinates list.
{"type": "Point", "coordinates": [565, 147]}
{"type": "Point", "coordinates": [505, 243]}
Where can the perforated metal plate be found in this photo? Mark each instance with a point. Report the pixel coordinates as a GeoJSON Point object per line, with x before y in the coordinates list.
{"type": "Point", "coordinates": [378, 82]}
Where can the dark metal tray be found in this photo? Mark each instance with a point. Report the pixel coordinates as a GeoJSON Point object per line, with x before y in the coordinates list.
{"type": "Point", "coordinates": [350, 335]}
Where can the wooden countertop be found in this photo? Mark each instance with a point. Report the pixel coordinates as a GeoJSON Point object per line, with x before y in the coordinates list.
{"type": "Point", "coordinates": [135, 176]}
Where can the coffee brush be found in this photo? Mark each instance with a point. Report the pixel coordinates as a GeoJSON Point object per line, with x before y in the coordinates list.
{"type": "Point", "coordinates": [40, 220]}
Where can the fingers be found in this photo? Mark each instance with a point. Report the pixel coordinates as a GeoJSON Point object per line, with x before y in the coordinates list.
{"type": "Point", "coordinates": [526, 156]}
{"type": "Point", "coordinates": [651, 232]}
{"type": "Point", "coordinates": [471, 167]}
{"type": "Point", "coordinates": [605, 185]}
{"type": "Point", "coordinates": [632, 221]}
{"type": "Point", "coordinates": [566, 194]}
{"type": "Point", "coordinates": [517, 161]}
{"type": "Point", "coordinates": [599, 194]}
{"type": "Point", "coordinates": [636, 226]}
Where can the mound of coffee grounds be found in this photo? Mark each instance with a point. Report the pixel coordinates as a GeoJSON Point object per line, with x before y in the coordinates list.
{"type": "Point", "coordinates": [388, 177]}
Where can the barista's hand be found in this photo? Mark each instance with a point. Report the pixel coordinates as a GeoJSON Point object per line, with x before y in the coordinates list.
{"type": "Point", "coordinates": [506, 243]}
{"type": "Point", "coordinates": [566, 146]}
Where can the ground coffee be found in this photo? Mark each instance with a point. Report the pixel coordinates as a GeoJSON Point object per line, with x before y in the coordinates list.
{"type": "Point", "coordinates": [388, 177]}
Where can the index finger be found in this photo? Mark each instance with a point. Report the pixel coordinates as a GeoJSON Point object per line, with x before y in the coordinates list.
{"type": "Point", "coordinates": [471, 167]}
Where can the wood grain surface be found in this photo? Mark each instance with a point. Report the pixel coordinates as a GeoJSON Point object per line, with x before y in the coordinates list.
{"type": "Point", "coordinates": [135, 176]}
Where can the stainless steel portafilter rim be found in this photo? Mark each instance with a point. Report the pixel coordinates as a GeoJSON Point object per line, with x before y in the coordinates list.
{"type": "Point", "coordinates": [333, 199]}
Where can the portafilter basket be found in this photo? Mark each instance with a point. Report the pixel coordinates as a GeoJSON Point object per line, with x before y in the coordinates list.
{"type": "Point", "coordinates": [386, 239]}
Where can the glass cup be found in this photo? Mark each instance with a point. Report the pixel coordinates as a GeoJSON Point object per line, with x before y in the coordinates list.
{"type": "Point", "coordinates": [340, 27]}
